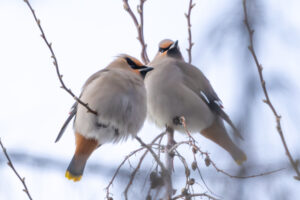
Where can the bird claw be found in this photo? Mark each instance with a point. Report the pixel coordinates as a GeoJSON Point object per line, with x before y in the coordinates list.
{"type": "Point", "coordinates": [177, 121]}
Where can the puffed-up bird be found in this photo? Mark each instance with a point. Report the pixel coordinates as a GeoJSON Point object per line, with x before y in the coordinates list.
{"type": "Point", "coordinates": [178, 89]}
{"type": "Point", "coordinates": [117, 93]}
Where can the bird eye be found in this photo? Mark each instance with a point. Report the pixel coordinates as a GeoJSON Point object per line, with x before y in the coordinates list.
{"type": "Point", "coordinates": [161, 49]}
{"type": "Point", "coordinates": [132, 64]}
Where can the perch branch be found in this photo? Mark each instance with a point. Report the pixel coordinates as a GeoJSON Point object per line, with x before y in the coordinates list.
{"type": "Point", "coordinates": [169, 162]}
{"type": "Point", "coordinates": [55, 63]}
{"type": "Point", "coordinates": [267, 98]}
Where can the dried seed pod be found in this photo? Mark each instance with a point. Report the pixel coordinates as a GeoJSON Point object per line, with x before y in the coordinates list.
{"type": "Point", "coordinates": [194, 165]}
{"type": "Point", "coordinates": [191, 181]}
{"type": "Point", "coordinates": [207, 161]}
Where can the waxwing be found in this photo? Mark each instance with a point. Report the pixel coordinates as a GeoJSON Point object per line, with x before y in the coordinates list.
{"type": "Point", "coordinates": [178, 89]}
{"type": "Point", "coordinates": [118, 95]}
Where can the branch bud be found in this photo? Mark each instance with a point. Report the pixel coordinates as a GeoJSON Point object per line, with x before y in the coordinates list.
{"type": "Point", "coordinates": [139, 9]}
{"type": "Point", "coordinates": [125, 6]}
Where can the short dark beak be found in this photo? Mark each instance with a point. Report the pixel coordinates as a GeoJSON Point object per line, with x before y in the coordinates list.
{"type": "Point", "coordinates": [145, 70]}
{"type": "Point", "coordinates": [174, 45]}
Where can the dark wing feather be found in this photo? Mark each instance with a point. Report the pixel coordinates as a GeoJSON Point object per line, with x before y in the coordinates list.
{"type": "Point", "coordinates": [215, 106]}
{"type": "Point", "coordinates": [197, 82]}
{"type": "Point", "coordinates": [71, 115]}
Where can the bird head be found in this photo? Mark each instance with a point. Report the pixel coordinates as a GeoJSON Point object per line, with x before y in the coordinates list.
{"type": "Point", "coordinates": [169, 48]}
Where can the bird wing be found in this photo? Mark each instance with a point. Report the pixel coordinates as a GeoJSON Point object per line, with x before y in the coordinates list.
{"type": "Point", "coordinates": [198, 83]}
{"type": "Point", "coordinates": [74, 107]}
{"type": "Point", "coordinates": [71, 115]}
{"type": "Point", "coordinates": [93, 77]}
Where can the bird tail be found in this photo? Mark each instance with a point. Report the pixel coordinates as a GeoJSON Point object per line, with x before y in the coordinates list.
{"type": "Point", "coordinates": [218, 134]}
{"type": "Point", "coordinates": [76, 168]}
{"type": "Point", "coordinates": [84, 148]}
{"type": "Point", "coordinates": [237, 154]}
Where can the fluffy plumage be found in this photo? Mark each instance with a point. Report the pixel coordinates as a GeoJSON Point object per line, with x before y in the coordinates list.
{"type": "Point", "coordinates": [176, 88]}
{"type": "Point", "coordinates": [118, 95]}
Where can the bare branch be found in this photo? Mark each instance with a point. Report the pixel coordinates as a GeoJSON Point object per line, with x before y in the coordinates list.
{"type": "Point", "coordinates": [139, 26]}
{"type": "Point", "coordinates": [118, 169]}
{"type": "Point", "coordinates": [267, 100]}
{"type": "Point", "coordinates": [139, 165]}
{"type": "Point", "coordinates": [166, 174]}
{"type": "Point", "coordinates": [55, 63]}
{"type": "Point", "coordinates": [10, 164]}
{"type": "Point", "coordinates": [208, 161]}
{"type": "Point", "coordinates": [189, 25]}
{"type": "Point", "coordinates": [153, 154]}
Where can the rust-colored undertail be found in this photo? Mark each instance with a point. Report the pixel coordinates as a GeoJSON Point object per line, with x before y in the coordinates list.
{"type": "Point", "coordinates": [84, 148]}
{"type": "Point", "coordinates": [218, 134]}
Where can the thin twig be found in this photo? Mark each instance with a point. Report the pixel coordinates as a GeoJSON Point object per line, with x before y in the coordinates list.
{"type": "Point", "coordinates": [188, 184]}
{"type": "Point", "coordinates": [139, 26]}
{"type": "Point", "coordinates": [189, 25]}
{"type": "Point", "coordinates": [10, 164]}
{"type": "Point", "coordinates": [132, 176]}
{"type": "Point", "coordinates": [118, 169]}
{"type": "Point", "coordinates": [163, 168]}
{"type": "Point", "coordinates": [264, 88]}
{"type": "Point", "coordinates": [165, 172]}
{"type": "Point", "coordinates": [192, 142]}
{"type": "Point", "coordinates": [193, 195]}
{"type": "Point", "coordinates": [200, 174]}
{"type": "Point", "coordinates": [55, 63]}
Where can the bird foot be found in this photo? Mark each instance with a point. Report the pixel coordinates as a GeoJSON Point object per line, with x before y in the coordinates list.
{"type": "Point", "coordinates": [177, 121]}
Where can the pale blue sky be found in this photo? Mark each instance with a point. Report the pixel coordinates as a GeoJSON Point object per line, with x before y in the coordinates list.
{"type": "Point", "coordinates": [86, 36]}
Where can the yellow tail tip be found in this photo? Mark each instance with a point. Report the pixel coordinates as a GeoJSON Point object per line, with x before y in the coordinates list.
{"type": "Point", "coordinates": [240, 161]}
{"type": "Point", "coordinates": [70, 176]}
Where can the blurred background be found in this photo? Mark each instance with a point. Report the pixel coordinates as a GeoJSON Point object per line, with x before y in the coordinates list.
{"type": "Point", "coordinates": [87, 35]}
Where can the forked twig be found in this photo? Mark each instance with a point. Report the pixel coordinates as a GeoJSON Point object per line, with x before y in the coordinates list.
{"type": "Point", "coordinates": [193, 195]}
{"type": "Point", "coordinates": [132, 176]}
{"type": "Point", "coordinates": [189, 25]}
{"type": "Point", "coordinates": [264, 88]}
{"type": "Point", "coordinates": [10, 164]}
{"type": "Point", "coordinates": [163, 168]}
{"type": "Point", "coordinates": [139, 26]}
{"type": "Point", "coordinates": [55, 63]}
{"type": "Point", "coordinates": [118, 169]}
{"type": "Point", "coordinates": [166, 174]}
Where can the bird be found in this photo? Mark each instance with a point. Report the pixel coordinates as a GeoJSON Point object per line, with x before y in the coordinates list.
{"type": "Point", "coordinates": [177, 89]}
{"type": "Point", "coordinates": [117, 94]}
